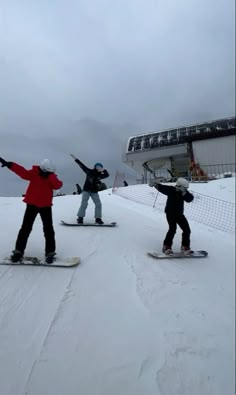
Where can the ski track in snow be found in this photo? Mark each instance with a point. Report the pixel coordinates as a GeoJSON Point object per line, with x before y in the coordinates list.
{"type": "Point", "coordinates": [22, 300]}
{"type": "Point", "coordinates": [4, 272]}
{"type": "Point", "coordinates": [50, 329]}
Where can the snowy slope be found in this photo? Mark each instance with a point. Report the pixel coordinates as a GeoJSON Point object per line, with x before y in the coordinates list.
{"type": "Point", "coordinates": [121, 323]}
{"type": "Point", "coordinates": [221, 189]}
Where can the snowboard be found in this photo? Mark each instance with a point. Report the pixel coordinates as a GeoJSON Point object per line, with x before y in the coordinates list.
{"type": "Point", "coordinates": [110, 225]}
{"type": "Point", "coordinates": [34, 261]}
{"type": "Point", "coordinates": [179, 255]}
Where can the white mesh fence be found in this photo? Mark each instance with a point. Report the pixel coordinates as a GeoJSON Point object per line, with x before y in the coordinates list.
{"type": "Point", "coordinates": [216, 213]}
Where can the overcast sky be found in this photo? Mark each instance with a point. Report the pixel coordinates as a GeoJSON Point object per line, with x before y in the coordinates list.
{"type": "Point", "coordinates": [82, 76]}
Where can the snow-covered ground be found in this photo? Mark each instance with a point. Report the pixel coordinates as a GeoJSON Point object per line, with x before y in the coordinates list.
{"type": "Point", "coordinates": [121, 323]}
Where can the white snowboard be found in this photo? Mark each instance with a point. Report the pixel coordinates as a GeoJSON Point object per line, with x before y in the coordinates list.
{"type": "Point", "coordinates": [34, 261]}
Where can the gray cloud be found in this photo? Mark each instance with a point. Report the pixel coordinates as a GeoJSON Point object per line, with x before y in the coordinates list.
{"type": "Point", "coordinates": [74, 74]}
{"type": "Point", "coordinates": [91, 141]}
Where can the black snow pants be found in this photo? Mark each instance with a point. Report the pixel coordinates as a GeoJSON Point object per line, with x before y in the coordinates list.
{"type": "Point", "coordinates": [31, 213]}
{"type": "Point", "coordinates": [173, 221]}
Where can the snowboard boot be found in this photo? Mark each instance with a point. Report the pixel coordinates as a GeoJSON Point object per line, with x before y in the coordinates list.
{"type": "Point", "coordinates": [80, 220]}
{"type": "Point", "coordinates": [167, 250]}
{"type": "Point", "coordinates": [99, 221]}
{"type": "Point", "coordinates": [186, 250]}
{"type": "Point", "coordinates": [16, 256]}
{"type": "Point", "coordinates": [50, 257]}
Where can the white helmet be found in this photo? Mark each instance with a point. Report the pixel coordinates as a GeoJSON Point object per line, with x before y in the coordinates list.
{"type": "Point", "coordinates": [46, 165]}
{"type": "Point", "coordinates": [182, 183]}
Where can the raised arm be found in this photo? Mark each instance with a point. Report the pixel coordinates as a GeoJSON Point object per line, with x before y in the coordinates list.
{"type": "Point", "coordinates": [21, 171]}
{"type": "Point", "coordinates": [165, 189]}
{"type": "Point", "coordinates": [82, 166]}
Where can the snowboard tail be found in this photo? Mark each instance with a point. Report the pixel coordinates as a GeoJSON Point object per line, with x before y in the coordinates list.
{"type": "Point", "coordinates": [179, 255]}
{"type": "Point", "coordinates": [110, 225]}
{"type": "Point", "coordinates": [34, 261]}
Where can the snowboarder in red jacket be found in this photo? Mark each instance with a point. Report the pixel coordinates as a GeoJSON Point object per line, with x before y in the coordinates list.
{"type": "Point", "coordinates": [176, 196]}
{"type": "Point", "coordinates": [38, 198]}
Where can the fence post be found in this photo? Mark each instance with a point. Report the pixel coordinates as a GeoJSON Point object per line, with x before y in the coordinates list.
{"type": "Point", "coordinates": [155, 199]}
{"type": "Point", "coordinates": [114, 183]}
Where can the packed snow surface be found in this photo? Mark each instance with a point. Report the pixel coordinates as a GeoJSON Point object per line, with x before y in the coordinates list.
{"type": "Point", "coordinates": [120, 323]}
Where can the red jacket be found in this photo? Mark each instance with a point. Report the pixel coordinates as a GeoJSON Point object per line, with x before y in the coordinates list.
{"type": "Point", "coordinates": [40, 190]}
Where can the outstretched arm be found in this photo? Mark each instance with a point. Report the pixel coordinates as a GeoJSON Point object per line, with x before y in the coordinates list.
{"type": "Point", "coordinates": [82, 166]}
{"type": "Point", "coordinates": [19, 170]}
{"type": "Point", "coordinates": [165, 189]}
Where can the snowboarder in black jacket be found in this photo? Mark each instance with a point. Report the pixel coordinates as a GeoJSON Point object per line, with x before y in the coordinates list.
{"type": "Point", "coordinates": [176, 196]}
{"type": "Point", "coordinates": [91, 188]}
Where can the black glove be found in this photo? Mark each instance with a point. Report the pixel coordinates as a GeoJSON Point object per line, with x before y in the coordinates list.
{"type": "Point", "coordinates": [5, 163]}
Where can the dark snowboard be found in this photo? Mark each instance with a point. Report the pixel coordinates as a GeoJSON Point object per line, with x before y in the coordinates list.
{"type": "Point", "coordinates": [110, 225]}
{"type": "Point", "coordinates": [179, 255]}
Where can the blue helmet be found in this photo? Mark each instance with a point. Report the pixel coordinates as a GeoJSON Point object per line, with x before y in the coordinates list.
{"type": "Point", "coordinates": [98, 165]}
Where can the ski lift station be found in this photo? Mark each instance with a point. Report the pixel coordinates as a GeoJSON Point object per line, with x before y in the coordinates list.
{"type": "Point", "coordinates": [208, 147]}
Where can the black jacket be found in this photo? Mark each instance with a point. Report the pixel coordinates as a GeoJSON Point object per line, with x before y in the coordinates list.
{"type": "Point", "coordinates": [175, 199]}
{"type": "Point", "coordinates": [93, 180]}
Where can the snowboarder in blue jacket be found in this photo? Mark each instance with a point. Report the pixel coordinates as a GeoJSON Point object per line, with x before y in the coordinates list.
{"type": "Point", "coordinates": [91, 188]}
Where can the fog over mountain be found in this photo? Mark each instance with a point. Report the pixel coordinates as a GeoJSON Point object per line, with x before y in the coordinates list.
{"type": "Point", "coordinates": [89, 140]}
